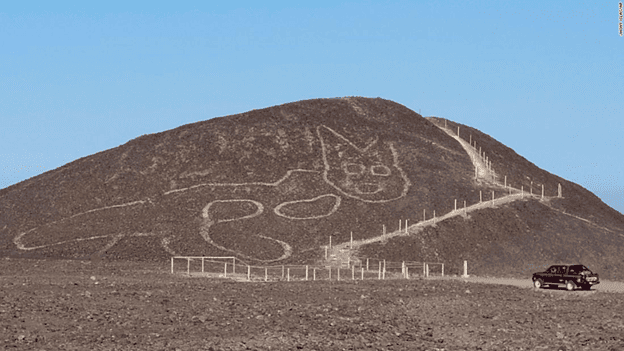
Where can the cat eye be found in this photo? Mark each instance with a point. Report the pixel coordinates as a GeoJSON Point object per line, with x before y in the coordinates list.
{"type": "Point", "coordinates": [380, 170]}
{"type": "Point", "coordinates": [353, 168]}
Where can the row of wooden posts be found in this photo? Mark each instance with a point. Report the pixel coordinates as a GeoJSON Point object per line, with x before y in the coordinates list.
{"type": "Point", "coordinates": [404, 228]}
{"type": "Point", "coordinates": [488, 164]}
{"type": "Point", "coordinates": [381, 271]}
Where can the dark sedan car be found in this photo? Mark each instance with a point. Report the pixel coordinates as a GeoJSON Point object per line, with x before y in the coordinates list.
{"type": "Point", "coordinates": [569, 275]}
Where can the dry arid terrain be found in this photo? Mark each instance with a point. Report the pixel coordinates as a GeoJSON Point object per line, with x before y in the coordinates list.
{"type": "Point", "coordinates": [272, 186]}
{"type": "Point", "coordinates": [85, 248]}
{"type": "Point", "coordinates": [99, 305]}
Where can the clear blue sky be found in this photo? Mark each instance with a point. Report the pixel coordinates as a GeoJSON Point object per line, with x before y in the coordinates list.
{"type": "Point", "coordinates": [546, 78]}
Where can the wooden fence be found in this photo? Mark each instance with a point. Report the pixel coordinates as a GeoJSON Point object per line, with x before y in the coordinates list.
{"type": "Point", "coordinates": [365, 269]}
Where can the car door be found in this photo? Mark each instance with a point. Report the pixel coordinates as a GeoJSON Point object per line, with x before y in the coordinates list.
{"type": "Point", "coordinates": [561, 274]}
{"type": "Point", "coordinates": [551, 275]}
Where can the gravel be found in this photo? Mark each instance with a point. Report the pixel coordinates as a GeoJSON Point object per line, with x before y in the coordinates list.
{"type": "Point", "coordinates": [78, 305]}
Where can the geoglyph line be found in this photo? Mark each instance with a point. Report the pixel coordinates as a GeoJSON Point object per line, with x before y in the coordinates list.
{"type": "Point", "coordinates": [18, 240]}
{"type": "Point", "coordinates": [276, 183]}
{"type": "Point", "coordinates": [481, 170]}
{"type": "Point", "coordinates": [328, 167]}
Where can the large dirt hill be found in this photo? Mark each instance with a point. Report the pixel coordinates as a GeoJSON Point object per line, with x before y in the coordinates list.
{"type": "Point", "coordinates": [271, 186]}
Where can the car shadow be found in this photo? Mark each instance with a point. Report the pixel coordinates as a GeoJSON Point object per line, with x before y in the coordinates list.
{"type": "Point", "coordinates": [563, 288]}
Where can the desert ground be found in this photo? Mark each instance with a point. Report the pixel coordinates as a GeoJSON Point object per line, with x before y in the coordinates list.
{"type": "Point", "coordinates": [97, 305]}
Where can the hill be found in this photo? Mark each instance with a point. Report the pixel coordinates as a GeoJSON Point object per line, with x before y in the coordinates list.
{"type": "Point", "coordinates": [272, 185]}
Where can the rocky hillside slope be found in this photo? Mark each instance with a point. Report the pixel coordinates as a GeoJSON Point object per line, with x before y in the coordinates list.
{"type": "Point", "coordinates": [272, 185]}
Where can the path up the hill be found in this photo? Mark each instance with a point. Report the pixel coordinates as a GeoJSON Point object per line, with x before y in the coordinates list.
{"type": "Point", "coordinates": [344, 254]}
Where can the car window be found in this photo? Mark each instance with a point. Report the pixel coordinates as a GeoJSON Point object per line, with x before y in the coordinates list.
{"type": "Point", "coordinates": [576, 269]}
{"type": "Point", "coordinates": [552, 270]}
{"type": "Point", "coordinates": [562, 270]}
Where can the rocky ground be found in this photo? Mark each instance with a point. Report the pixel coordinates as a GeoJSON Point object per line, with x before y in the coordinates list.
{"type": "Point", "coordinates": [81, 305]}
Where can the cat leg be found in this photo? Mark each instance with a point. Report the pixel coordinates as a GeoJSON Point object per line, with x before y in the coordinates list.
{"type": "Point", "coordinates": [233, 226]}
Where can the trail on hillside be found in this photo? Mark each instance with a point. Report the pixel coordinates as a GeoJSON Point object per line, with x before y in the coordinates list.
{"type": "Point", "coordinates": [343, 252]}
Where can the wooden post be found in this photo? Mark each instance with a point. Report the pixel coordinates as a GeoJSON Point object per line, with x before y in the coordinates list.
{"type": "Point", "coordinates": [465, 275]}
{"type": "Point", "coordinates": [470, 139]}
{"type": "Point", "coordinates": [542, 191]}
{"type": "Point", "coordinates": [424, 269]}
{"type": "Point", "coordinates": [362, 268]}
{"type": "Point", "coordinates": [171, 264]}
{"type": "Point", "coordinates": [383, 272]}
{"type": "Point", "coordinates": [531, 187]}
{"type": "Point", "coordinates": [306, 272]}
{"type": "Point", "coordinates": [225, 270]}
{"type": "Point", "coordinates": [403, 269]}
{"type": "Point", "coordinates": [266, 274]}
{"type": "Point", "coordinates": [288, 274]}
{"type": "Point", "coordinates": [234, 266]}
{"type": "Point", "coordinates": [427, 270]}
{"type": "Point", "coordinates": [492, 196]}
{"type": "Point", "coordinates": [330, 241]}
{"type": "Point", "coordinates": [457, 131]}
{"type": "Point", "coordinates": [505, 181]}
{"type": "Point", "coordinates": [351, 240]}
{"type": "Point", "coordinates": [424, 215]}
{"type": "Point", "coordinates": [367, 264]}
{"type": "Point", "coordinates": [464, 207]}
{"type": "Point", "coordinates": [476, 173]}
{"type": "Point", "coordinates": [406, 225]}
{"type": "Point", "coordinates": [202, 264]}
{"type": "Point", "coordinates": [314, 273]}
{"type": "Point", "coordinates": [522, 190]}
{"type": "Point", "coordinates": [443, 269]}
{"type": "Point", "coordinates": [338, 275]}
{"type": "Point", "coordinates": [188, 266]}
{"type": "Point", "coordinates": [384, 229]}
{"type": "Point", "coordinates": [444, 124]}
{"type": "Point", "coordinates": [249, 273]}
{"type": "Point", "coordinates": [559, 191]}
{"type": "Point", "coordinates": [353, 272]}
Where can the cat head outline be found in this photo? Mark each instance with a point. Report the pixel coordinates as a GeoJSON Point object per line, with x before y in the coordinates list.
{"type": "Point", "coordinates": [369, 174]}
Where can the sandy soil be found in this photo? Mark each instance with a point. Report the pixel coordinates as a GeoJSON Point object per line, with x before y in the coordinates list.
{"type": "Point", "coordinates": [604, 286]}
{"type": "Point", "coordinates": [82, 305]}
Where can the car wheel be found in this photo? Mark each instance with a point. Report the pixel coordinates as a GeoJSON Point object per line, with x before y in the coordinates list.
{"type": "Point", "coordinates": [586, 287]}
{"type": "Point", "coordinates": [538, 283]}
{"type": "Point", "coordinates": [570, 285]}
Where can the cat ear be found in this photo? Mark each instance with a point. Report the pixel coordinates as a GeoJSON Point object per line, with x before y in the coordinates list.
{"type": "Point", "coordinates": [335, 145]}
